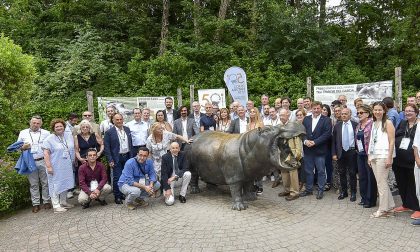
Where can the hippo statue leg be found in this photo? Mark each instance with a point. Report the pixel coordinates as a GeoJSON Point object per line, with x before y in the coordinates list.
{"type": "Point", "coordinates": [248, 191]}
{"type": "Point", "coordinates": [236, 192]}
{"type": "Point", "coordinates": [194, 182]}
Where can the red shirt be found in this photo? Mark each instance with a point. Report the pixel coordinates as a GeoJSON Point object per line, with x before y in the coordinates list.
{"type": "Point", "coordinates": [86, 175]}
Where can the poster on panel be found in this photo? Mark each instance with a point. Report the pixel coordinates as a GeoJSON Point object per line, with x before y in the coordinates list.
{"type": "Point", "coordinates": [369, 92]}
{"type": "Point", "coordinates": [214, 96]}
{"type": "Point", "coordinates": [235, 79]}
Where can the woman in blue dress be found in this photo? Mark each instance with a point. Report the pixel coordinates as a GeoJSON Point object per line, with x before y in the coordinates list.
{"type": "Point", "coordinates": [59, 158]}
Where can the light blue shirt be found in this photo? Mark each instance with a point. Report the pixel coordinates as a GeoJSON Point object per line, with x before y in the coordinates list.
{"type": "Point", "coordinates": [133, 172]}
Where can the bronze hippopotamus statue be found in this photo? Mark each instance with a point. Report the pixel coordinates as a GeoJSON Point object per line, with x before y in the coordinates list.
{"type": "Point", "coordinates": [238, 159]}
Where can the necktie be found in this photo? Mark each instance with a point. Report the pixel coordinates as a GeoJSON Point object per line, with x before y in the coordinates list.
{"type": "Point", "coordinates": [346, 140]}
{"type": "Point", "coordinates": [176, 169]}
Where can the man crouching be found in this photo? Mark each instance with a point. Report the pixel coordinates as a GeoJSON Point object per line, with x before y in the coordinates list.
{"type": "Point", "coordinates": [92, 181]}
{"type": "Point", "coordinates": [138, 179]}
{"type": "Point", "coordinates": [174, 173]}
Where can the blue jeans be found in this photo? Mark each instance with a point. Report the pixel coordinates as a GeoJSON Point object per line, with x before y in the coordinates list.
{"type": "Point", "coordinates": [132, 192]}
{"type": "Point", "coordinates": [314, 163]}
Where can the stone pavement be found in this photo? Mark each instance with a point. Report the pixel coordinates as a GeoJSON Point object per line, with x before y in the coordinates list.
{"type": "Point", "coordinates": [206, 223]}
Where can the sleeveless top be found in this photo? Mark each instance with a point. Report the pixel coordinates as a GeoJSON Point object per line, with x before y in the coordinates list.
{"type": "Point", "coordinates": [84, 145]}
{"type": "Point", "coordinates": [379, 144]}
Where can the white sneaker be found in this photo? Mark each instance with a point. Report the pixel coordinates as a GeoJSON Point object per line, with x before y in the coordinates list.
{"type": "Point", "coordinates": [69, 194]}
{"type": "Point", "coordinates": [272, 179]}
{"type": "Point", "coordinates": [67, 205]}
{"type": "Point", "coordinates": [60, 210]}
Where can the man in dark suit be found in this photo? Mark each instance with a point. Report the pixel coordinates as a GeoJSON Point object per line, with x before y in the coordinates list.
{"type": "Point", "coordinates": [196, 114]}
{"type": "Point", "coordinates": [170, 114]}
{"type": "Point", "coordinates": [239, 125]}
{"type": "Point", "coordinates": [185, 126]}
{"type": "Point", "coordinates": [118, 148]}
{"type": "Point", "coordinates": [174, 173]}
{"type": "Point", "coordinates": [318, 133]}
{"type": "Point", "coordinates": [344, 152]}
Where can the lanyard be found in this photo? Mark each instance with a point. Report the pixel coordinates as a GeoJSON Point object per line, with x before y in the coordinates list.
{"type": "Point", "coordinates": [122, 135]}
{"type": "Point", "coordinates": [64, 143]}
{"type": "Point", "coordinates": [408, 130]}
{"type": "Point", "coordinates": [32, 138]}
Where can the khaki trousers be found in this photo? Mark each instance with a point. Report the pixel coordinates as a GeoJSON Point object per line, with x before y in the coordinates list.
{"type": "Point", "coordinates": [84, 197]}
{"type": "Point", "coordinates": [386, 201]}
{"type": "Point", "coordinates": [291, 181]}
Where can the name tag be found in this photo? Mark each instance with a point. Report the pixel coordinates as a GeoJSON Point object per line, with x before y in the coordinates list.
{"type": "Point", "coordinates": [124, 147]}
{"type": "Point", "coordinates": [93, 185]}
{"type": "Point", "coordinates": [142, 181]}
{"type": "Point", "coordinates": [66, 154]}
{"type": "Point", "coordinates": [404, 143]}
{"type": "Point", "coordinates": [35, 148]}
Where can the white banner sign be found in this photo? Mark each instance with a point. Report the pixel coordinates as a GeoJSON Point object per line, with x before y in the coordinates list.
{"type": "Point", "coordinates": [369, 92]}
{"type": "Point", "coordinates": [125, 105]}
{"type": "Point", "coordinates": [214, 96]}
{"type": "Point", "coordinates": [235, 79]}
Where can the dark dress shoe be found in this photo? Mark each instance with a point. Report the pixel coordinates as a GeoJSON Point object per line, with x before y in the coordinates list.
{"type": "Point", "coordinates": [182, 199]}
{"type": "Point", "coordinates": [284, 194]}
{"type": "Point", "coordinates": [353, 197]}
{"type": "Point", "coordinates": [305, 193]}
{"type": "Point", "coordinates": [118, 201]}
{"type": "Point", "coordinates": [361, 203]}
{"type": "Point", "coordinates": [87, 205]}
{"type": "Point", "coordinates": [35, 209]}
{"type": "Point", "coordinates": [327, 187]}
{"type": "Point", "coordinates": [320, 195]}
{"type": "Point", "coordinates": [275, 184]}
{"type": "Point", "coordinates": [47, 206]}
{"type": "Point", "coordinates": [342, 196]}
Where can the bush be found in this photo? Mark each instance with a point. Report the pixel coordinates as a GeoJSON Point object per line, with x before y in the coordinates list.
{"type": "Point", "coordinates": [14, 188]}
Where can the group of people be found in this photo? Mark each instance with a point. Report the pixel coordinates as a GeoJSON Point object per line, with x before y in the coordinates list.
{"type": "Point", "coordinates": [146, 157]}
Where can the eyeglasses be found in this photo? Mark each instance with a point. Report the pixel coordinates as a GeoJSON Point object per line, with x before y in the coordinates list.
{"type": "Point", "coordinates": [410, 111]}
{"type": "Point", "coordinates": [361, 113]}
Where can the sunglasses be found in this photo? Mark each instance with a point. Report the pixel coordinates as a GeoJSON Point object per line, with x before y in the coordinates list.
{"type": "Point", "coordinates": [361, 113]}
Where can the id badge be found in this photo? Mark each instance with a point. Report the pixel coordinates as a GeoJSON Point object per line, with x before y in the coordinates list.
{"type": "Point", "coordinates": [211, 128]}
{"type": "Point", "coordinates": [360, 146]}
{"type": "Point", "coordinates": [124, 147]}
{"type": "Point", "coordinates": [93, 185]}
{"type": "Point", "coordinates": [66, 154]}
{"type": "Point", "coordinates": [34, 148]}
{"type": "Point", "coordinates": [404, 143]}
{"type": "Point", "coordinates": [142, 181]}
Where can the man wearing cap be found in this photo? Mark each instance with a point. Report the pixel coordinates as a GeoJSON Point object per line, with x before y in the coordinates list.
{"type": "Point", "coordinates": [33, 138]}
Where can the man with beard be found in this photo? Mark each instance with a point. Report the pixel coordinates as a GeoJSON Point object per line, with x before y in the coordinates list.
{"type": "Point", "coordinates": [185, 126]}
{"type": "Point", "coordinates": [170, 114]}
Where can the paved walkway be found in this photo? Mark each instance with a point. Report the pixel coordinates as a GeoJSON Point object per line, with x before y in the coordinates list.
{"type": "Point", "coordinates": [206, 223]}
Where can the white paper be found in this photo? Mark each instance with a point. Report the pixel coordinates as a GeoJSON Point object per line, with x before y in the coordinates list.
{"type": "Point", "coordinates": [93, 185]}
{"type": "Point", "coordinates": [404, 143]}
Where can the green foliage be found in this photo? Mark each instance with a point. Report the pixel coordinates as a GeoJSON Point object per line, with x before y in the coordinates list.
{"type": "Point", "coordinates": [17, 74]}
{"type": "Point", "coordinates": [14, 188]}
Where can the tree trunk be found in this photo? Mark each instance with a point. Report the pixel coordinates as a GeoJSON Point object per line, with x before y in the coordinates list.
{"type": "Point", "coordinates": [196, 11]}
{"type": "Point", "coordinates": [165, 28]}
{"type": "Point", "coordinates": [322, 12]}
{"type": "Point", "coordinates": [224, 4]}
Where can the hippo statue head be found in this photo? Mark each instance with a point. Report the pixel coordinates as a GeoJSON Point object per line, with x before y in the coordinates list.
{"type": "Point", "coordinates": [284, 144]}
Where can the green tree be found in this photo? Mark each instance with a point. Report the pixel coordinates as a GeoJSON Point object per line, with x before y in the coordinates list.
{"type": "Point", "coordinates": [17, 75]}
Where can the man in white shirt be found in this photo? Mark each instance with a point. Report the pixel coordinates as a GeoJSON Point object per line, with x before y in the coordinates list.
{"type": "Point", "coordinates": [107, 123]}
{"type": "Point", "coordinates": [265, 117]}
{"type": "Point", "coordinates": [185, 126]}
{"type": "Point", "coordinates": [239, 125]}
{"type": "Point", "coordinates": [299, 104]}
{"type": "Point", "coordinates": [170, 114]}
{"type": "Point", "coordinates": [274, 119]}
{"type": "Point", "coordinates": [33, 138]}
{"type": "Point", "coordinates": [139, 130]}
{"type": "Point", "coordinates": [196, 114]}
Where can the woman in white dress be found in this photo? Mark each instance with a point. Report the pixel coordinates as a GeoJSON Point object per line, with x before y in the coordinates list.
{"type": "Point", "coordinates": [158, 144]}
{"type": "Point", "coordinates": [59, 159]}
